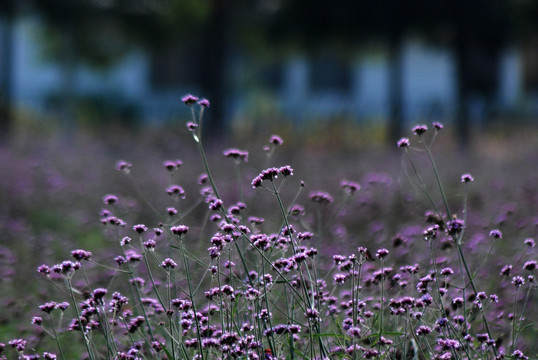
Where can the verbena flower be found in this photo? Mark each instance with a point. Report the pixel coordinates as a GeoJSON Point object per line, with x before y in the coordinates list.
{"type": "Point", "coordinates": [419, 130]}
{"type": "Point", "coordinates": [189, 99]}
{"type": "Point", "coordinates": [403, 142]}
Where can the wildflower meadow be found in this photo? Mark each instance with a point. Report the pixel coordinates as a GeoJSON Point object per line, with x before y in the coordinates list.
{"type": "Point", "coordinates": [268, 250]}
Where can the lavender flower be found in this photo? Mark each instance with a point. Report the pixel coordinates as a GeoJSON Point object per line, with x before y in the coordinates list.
{"type": "Point", "coordinates": [276, 140]}
{"type": "Point", "coordinates": [189, 99]}
{"type": "Point", "coordinates": [204, 103]}
{"type": "Point", "coordinates": [419, 130]}
{"type": "Point", "coordinates": [467, 178]}
{"type": "Point", "coordinates": [403, 143]}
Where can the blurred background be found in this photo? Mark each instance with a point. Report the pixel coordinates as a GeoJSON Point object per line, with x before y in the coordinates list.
{"type": "Point", "coordinates": [383, 64]}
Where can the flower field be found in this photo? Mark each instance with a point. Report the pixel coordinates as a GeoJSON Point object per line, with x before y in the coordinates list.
{"type": "Point", "coordinates": [173, 246]}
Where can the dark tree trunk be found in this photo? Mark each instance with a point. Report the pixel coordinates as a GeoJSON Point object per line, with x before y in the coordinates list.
{"type": "Point", "coordinates": [6, 70]}
{"type": "Point", "coordinates": [214, 66]}
{"type": "Point", "coordinates": [395, 126]}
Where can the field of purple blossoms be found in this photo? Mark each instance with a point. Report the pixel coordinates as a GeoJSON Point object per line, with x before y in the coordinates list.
{"type": "Point", "coordinates": [161, 247]}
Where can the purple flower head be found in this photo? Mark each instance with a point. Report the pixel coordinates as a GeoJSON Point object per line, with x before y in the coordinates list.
{"type": "Point", "coordinates": [529, 242]}
{"type": "Point", "coordinates": [110, 199]}
{"type": "Point", "coordinates": [496, 234]}
{"type": "Point", "coordinates": [124, 166]}
{"type": "Point", "coordinates": [420, 130]}
{"type": "Point", "coordinates": [382, 253]}
{"type": "Point", "coordinates": [150, 244]}
{"type": "Point", "coordinates": [350, 187]}
{"type": "Point", "coordinates": [48, 307]}
{"type": "Point", "coordinates": [170, 165]}
{"type": "Point", "coordinates": [168, 264]}
{"type": "Point", "coordinates": [98, 294]}
{"type": "Point", "coordinates": [175, 190]}
{"type": "Point", "coordinates": [403, 142]}
{"type": "Point", "coordinates": [204, 103]}
{"type": "Point", "coordinates": [518, 281]}
{"type": "Point", "coordinates": [140, 228]}
{"type": "Point", "coordinates": [18, 344]}
{"type": "Point", "coordinates": [530, 265]}
{"type": "Point", "coordinates": [321, 197]}
{"type": "Point", "coordinates": [236, 154]}
{"type": "Point", "coordinates": [192, 126]}
{"type": "Point", "coordinates": [37, 320]}
{"type": "Point", "coordinates": [49, 356]}
{"type": "Point", "coordinates": [438, 126]}
{"type": "Point", "coordinates": [276, 140]}
{"type": "Point", "coordinates": [467, 178]}
{"type": "Point", "coordinates": [179, 230]}
{"type": "Point", "coordinates": [125, 240]}
{"type": "Point", "coordinates": [80, 254]}
{"type": "Point", "coordinates": [62, 306]}
{"type": "Point", "coordinates": [43, 269]}
{"type": "Point", "coordinates": [506, 270]}
{"type": "Point", "coordinates": [423, 330]}
{"type": "Point", "coordinates": [189, 99]}
{"type": "Point", "coordinates": [285, 170]}
{"type": "Point", "coordinates": [455, 226]}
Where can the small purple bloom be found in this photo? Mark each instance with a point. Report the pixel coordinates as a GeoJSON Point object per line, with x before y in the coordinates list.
{"type": "Point", "coordinates": [321, 197]}
{"type": "Point", "coordinates": [204, 103]}
{"type": "Point", "coordinates": [518, 281]}
{"type": "Point", "coordinates": [467, 178]}
{"type": "Point", "coordinates": [124, 166]}
{"type": "Point", "coordinates": [420, 130]}
{"type": "Point", "coordinates": [496, 234]}
{"type": "Point", "coordinates": [179, 230]}
{"type": "Point", "coordinates": [403, 142]}
{"type": "Point", "coordinates": [438, 126]}
{"type": "Point", "coordinates": [276, 140]}
{"type": "Point", "coordinates": [168, 264]}
{"type": "Point", "coordinates": [382, 253]}
{"type": "Point", "coordinates": [110, 199]}
{"type": "Point", "coordinates": [189, 99]}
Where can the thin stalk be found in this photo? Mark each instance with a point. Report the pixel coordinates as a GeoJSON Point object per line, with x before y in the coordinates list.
{"type": "Point", "coordinates": [75, 305]}
{"type": "Point", "coordinates": [56, 337]}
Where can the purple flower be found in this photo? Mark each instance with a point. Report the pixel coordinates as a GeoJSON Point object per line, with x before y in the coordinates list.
{"type": "Point", "coordinates": [505, 271]}
{"type": "Point", "coordinates": [168, 264]}
{"type": "Point", "coordinates": [124, 166]}
{"type": "Point", "coordinates": [80, 254]}
{"type": "Point", "coordinates": [321, 197]}
{"type": "Point", "coordinates": [18, 344]}
{"type": "Point", "coordinates": [350, 187]}
{"type": "Point", "coordinates": [176, 190]}
{"type": "Point", "coordinates": [438, 126]}
{"type": "Point", "coordinates": [204, 103]}
{"type": "Point", "coordinates": [37, 320]}
{"type": "Point", "coordinates": [179, 230]}
{"type": "Point", "coordinates": [140, 228]}
{"type": "Point", "coordinates": [496, 234]}
{"type": "Point", "coordinates": [518, 281]}
{"type": "Point", "coordinates": [419, 130]}
{"type": "Point", "coordinates": [276, 140]}
{"type": "Point", "coordinates": [530, 265]}
{"type": "Point", "coordinates": [236, 154]}
{"type": "Point", "coordinates": [455, 226]}
{"type": "Point", "coordinates": [98, 294]}
{"type": "Point", "coordinates": [48, 307]}
{"type": "Point", "coordinates": [467, 178]}
{"type": "Point", "coordinates": [529, 242]}
{"type": "Point", "coordinates": [403, 142]}
{"type": "Point", "coordinates": [150, 244]}
{"type": "Point", "coordinates": [382, 253]}
{"type": "Point", "coordinates": [189, 99]}
{"type": "Point", "coordinates": [192, 126]}
{"type": "Point", "coordinates": [110, 199]}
